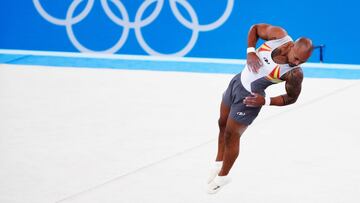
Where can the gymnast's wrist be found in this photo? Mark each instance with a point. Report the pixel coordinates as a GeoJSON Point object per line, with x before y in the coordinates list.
{"type": "Point", "coordinates": [267, 101]}
{"type": "Point", "coordinates": [250, 50]}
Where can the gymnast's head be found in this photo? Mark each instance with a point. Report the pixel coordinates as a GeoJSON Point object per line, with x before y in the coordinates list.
{"type": "Point", "coordinates": [300, 51]}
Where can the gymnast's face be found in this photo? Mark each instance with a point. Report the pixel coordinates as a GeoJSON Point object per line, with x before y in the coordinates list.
{"type": "Point", "coordinates": [300, 52]}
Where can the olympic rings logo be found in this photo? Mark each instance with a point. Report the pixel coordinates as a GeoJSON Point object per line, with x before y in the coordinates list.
{"type": "Point", "coordinates": [138, 23]}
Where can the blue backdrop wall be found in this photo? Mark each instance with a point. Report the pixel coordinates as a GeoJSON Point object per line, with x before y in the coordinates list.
{"type": "Point", "coordinates": [193, 28]}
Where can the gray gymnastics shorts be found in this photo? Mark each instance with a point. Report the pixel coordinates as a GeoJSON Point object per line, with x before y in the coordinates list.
{"type": "Point", "coordinates": [233, 97]}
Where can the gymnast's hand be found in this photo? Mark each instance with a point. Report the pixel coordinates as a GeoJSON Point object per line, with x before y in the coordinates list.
{"type": "Point", "coordinates": [253, 62]}
{"type": "Point", "coordinates": [255, 100]}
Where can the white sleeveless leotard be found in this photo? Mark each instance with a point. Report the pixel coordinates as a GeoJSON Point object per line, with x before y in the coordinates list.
{"type": "Point", "coordinates": [268, 74]}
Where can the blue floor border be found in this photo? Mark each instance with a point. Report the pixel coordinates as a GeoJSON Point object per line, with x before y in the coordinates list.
{"type": "Point", "coordinates": [161, 65]}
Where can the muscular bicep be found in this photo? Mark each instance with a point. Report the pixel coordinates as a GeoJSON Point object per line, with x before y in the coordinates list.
{"type": "Point", "coordinates": [293, 84]}
{"type": "Point", "coordinates": [270, 32]}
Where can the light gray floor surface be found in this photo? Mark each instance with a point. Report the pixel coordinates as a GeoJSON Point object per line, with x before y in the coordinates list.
{"type": "Point", "coordinates": [100, 135]}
